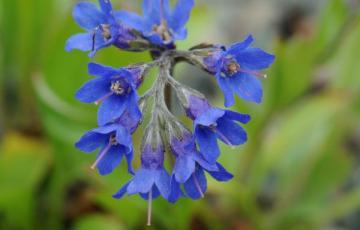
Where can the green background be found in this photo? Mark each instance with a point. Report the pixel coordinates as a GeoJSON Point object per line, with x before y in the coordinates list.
{"type": "Point", "coordinates": [299, 169]}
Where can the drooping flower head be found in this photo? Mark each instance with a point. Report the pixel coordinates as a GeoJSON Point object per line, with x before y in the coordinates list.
{"type": "Point", "coordinates": [115, 89]}
{"type": "Point", "coordinates": [151, 180]}
{"type": "Point", "coordinates": [184, 149]}
{"type": "Point", "coordinates": [160, 24]}
{"type": "Point", "coordinates": [189, 169]}
{"type": "Point", "coordinates": [102, 29]}
{"type": "Point", "coordinates": [114, 142]}
{"type": "Point", "coordinates": [212, 123]}
{"type": "Point", "coordinates": [237, 69]}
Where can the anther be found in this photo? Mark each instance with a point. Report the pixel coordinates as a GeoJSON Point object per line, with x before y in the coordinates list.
{"type": "Point", "coordinates": [117, 88]}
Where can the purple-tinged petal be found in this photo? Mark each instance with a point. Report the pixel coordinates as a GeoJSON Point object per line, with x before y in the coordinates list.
{"type": "Point", "coordinates": [254, 59]}
{"type": "Point", "coordinates": [248, 87]}
{"type": "Point", "coordinates": [239, 47]}
{"type": "Point", "coordinates": [195, 183]}
{"type": "Point", "coordinates": [208, 144]}
{"type": "Point", "coordinates": [121, 192]}
{"type": "Point", "coordinates": [111, 160]}
{"type": "Point", "coordinates": [111, 109]}
{"type": "Point", "coordinates": [181, 14]}
{"type": "Point", "coordinates": [184, 168]}
{"type": "Point", "coordinates": [142, 183]}
{"type": "Point", "coordinates": [91, 141]}
{"type": "Point", "coordinates": [197, 106]}
{"type": "Point", "coordinates": [130, 19]}
{"type": "Point", "coordinates": [243, 118]}
{"type": "Point", "coordinates": [93, 90]}
{"type": "Point", "coordinates": [226, 87]}
{"type": "Point", "coordinates": [230, 132]}
{"type": "Point", "coordinates": [221, 174]}
{"type": "Point", "coordinates": [82, 41]}
{"type": "Point", "coordinates": [88, 16]}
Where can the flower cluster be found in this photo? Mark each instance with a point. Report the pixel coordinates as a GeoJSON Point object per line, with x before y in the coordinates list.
{"type": "Point", "coordinates": [192, 153]}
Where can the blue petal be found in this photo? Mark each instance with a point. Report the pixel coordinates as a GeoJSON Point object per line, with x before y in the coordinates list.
{"type": "Point", "coordinates": [226, 88]}
{"type": "Point", "coordinates": [82, 41]}
{"type": "Point", "coordinates": [180, 34]}
{"type": "Point", "coordinates": [142, 183]}
{"type": "Point", "coordinates": [181, 14]}
{"type": "Point", "coordinates": [192, 186]}
{"type": "Point", "coordinates": [247, 87]}
{"type": "Point", "coordinates": [88, 16]}
{"type": "Point", "coordinates": [254, 59]}
{"type": "Point", "coordinates": [203, 163]}
{"type": "Point", "coordinates": [129, 159]}
{"type": "Point", "coordinates": [91, 141]}
{"type": "Point", "coordinates": [93, 90]}
{"type": "Point", "coordinates": [98, 70]}
{"type": "Point", "coordinates": [221, 174]}
{"type": "Point", "coordinates": [111, 109]}
{"type": "Point", "coordinates": [184, 167]}
{"type": "Point", "coordinates": [106, 129]}
{"type": "Point", "coordinates": [123, 137]}
{"type": "Point", "coordinates": [121, 192]}
{"type": "Point", "coordinates": [239, 47]}
{"type": "Point", "coordinates": [209, 117]}
{"type": "Point", "coordinates": [208, 144]}
{"type": "Point", "coordinates": [111, 160]}
{"type": "Point", "coordinates": [106, 6]}
{"type": "Point", "coordinates": [162, 182]}
{"type": "Point", "coordinates": [230, 131]}
{"type": "Point", "coordinates": [175, 191]}
{"type": "Point", "coordinates": [155, 194]}
{"type": "Point", "coordinates": [130, 19]}
{"type": "Point", "coordinates": [243, 118]}
{"type": "Point", "coordinates": [152, 10]}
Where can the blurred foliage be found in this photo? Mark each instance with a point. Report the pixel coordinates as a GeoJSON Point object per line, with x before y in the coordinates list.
{"type": "Point", "coordinates": [296, 172]}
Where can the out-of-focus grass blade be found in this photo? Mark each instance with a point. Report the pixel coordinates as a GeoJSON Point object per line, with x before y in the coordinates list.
{"type": "Point", "coordinates": [23, 163]}
{"type": "Point", "coordinates": [95, 222]}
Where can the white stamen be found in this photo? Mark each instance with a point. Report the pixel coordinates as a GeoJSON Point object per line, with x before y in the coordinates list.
{"type": "Point", "coordinates": [224, 138]}
{"type": "Point", "coordinates": [101, 156]}
{"type": "Point", "coordinates": [103, 98]}
{"type": "Point", "coordinates": [255, 73]}
{"type": "Point", "coordinates": [149, 208]}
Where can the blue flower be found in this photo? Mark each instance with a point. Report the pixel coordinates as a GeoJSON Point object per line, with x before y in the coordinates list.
{"type": "Point", "coordinates": [102, 28]}
{"type": "Point", "coordinates": [187, 156]}
{"type": "Point", "coordinates": [211, 124]}
{"type": "Point", "coordinates": [115, 89]}
{"type": "Point", "coordinates": [196, 186]}
{"type": "Point", "coordinates": [189, 169]}
{"type": "Point", "coordinates": [237, 68]}
{"type": "Point", "coordinates": [114, 141]}
{"type": "Point", "coordinates": [159, 24]}
{"type": "Point", "coordinates": [151, 180]}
